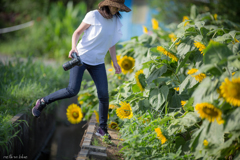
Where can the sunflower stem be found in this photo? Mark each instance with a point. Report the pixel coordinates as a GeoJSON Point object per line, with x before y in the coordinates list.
{"type": "Point", "coordinates": [197, 125]}
{"type": "Point", "coordinates": [228, 71]}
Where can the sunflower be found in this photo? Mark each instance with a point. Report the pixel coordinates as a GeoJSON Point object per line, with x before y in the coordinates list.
{"type": "Point", "coordinates": [210, 112]}
{"type": "Point", "coordinates": [172, 37]}
{"type": "Point", "coordinates": [112, 106]}
{"type": "Point", "coordinates": [145, 30]}
{"type": "Point", "coordinates": [127, 64]}
{"type": "Point", "coordinates": [110, 69]}
{"type": "Point", "coordinates": [205, 143]}
{"type": "Point", "coordinates": [215, 16]}
{"type": "Point", "coordinates": [183, 103]}
{"type": "Point", "coordinates": [81, 102]}
{"type": "Point", "coordinates": [113, 125]}
{"type": "Point", "coordinates": [235, 41]}
{"type": "Point", "coordinates": [160, 136]}
{"type": "Point", "coordinates": [141, 84]}
{"type": "Point", "coordinates": [198, 77]}
{"type": "Point", "coordinates": [118, 57]}
{"type": "Point", "coordinates": [97, 116]}
{"type": "Point", "coordinates": [200, 46]}
{"type": "Point", "coordinates": [125, 111]}
{"type": "Point", "coordinates": [169, 54]}
{"type": "Point", "coordinates": [184, 19]}
{"type": "Point", "coordinates": [80, 97]}
{"type": "Point", "coordinates": [230, 91]}
{"type": "Point", "coordinates": [155, 24]}
{"type": "Point", "coordinates": [192, 71]}
{"type": "Point", "coordinates": [74, 114]}
{"type": "Point", "coordinates": [177, 43]}
{"type": "Point", "coordinates": [176, 88]}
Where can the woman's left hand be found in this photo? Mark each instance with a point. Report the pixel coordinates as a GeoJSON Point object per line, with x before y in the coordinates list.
{"type": "Point", "coordinates": [117, 68]}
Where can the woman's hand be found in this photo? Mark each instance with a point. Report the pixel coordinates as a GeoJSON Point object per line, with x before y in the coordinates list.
{"type": "Point", "coordinates": [118, 69]}
{"type": "Point", "coordinates": [70, 53]}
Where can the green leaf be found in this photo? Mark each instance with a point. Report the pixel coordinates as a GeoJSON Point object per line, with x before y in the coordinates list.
{"type": "Point", "coordinates": [235, 63]}
{"type": "Point", "coordinates": [193, 13]}
{"type": "Point", "coordinates": [188, 83]}
{"type": "Point", "coordinates": [175, 102]}
{"type": "Point", "coordinates": [156, 73]}
{"type": "Point", "coordinates": [145, 39]}
{"type": "Point", "coordinates": [216, 53]}
{"type": "Point", "coordinates": [212, 68]}
{"type": "Point", "coordinates": [142, 80]}
{"type": "Point", "coordinates": [158, 96]}
{"type": "Point", "coordinates": [135, 88]}
{"type": "Point", "coordinates": [232, 121]}
{"type": "Point", "coordinates": [233, 33]}
{"type": "Point", "coordinates": [235, 48]}
{"type": "Point", "coordinates": [186, 46]}
{"type": "Point", "coordinates": [223, 38]}
{"type": "Point", "coordinates": [183, 62]}
{"type": "Point", "coordinates": [143, 105]}
{"type": "Point", "coordinates": [189, 105]}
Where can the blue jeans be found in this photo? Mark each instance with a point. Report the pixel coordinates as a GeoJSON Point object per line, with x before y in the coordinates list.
{"type": "Point", "coordinates": [99, 76]}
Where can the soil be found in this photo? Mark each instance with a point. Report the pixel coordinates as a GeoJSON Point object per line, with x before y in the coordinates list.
{"type": "Point", "coordinates": [113, 149]}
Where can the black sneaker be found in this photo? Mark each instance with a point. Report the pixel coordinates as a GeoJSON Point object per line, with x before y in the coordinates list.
{"type": "Point", "coordinates": [102, 132]}
{"type": "Point", "coordinates": [36, 110]}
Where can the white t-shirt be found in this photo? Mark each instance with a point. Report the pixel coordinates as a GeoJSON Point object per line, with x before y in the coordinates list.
{"type": "Point", "coordinates": [98, 38]}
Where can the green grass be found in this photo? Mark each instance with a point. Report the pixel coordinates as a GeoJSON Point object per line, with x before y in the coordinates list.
{"type": "Point", "coordinates": [21, 84]}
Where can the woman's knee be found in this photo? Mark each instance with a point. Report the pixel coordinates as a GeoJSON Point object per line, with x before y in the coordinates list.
{"type": "Point", "coordinates": [103, 95]}
{"type": "Point", "coordinates": [72, 92]}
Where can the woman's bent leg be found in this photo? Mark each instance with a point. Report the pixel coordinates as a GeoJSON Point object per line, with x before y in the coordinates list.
{"type": "Point", "coordinates": [76, 74]}
{"type": "Point", "coordinates": [99, 76]}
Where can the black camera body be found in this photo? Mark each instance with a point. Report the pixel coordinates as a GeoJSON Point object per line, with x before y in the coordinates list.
{"type": "Point", "coordinates": [76, 61]}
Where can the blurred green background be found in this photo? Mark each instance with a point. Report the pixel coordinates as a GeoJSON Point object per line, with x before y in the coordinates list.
{"type": "Point", "coordinates": [55, 22]}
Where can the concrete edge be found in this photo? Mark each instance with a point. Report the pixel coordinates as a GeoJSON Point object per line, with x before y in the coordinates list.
{"type": "Point", "coordinates": [87, 150]}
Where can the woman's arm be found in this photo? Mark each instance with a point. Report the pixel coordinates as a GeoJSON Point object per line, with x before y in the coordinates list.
{"type": "Point", "coordinates": [112, 51]}
{"type": "Point", "coordinates": [75, 37]}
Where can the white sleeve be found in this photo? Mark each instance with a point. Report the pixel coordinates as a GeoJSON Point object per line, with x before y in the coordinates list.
{"type": "Point", "coordinates": [90, 18]}
{"type": "Point", "coordinates": [118, 33]}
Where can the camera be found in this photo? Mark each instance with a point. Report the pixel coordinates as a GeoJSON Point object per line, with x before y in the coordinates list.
{"type": "Point", "coordinates": [76, 61]}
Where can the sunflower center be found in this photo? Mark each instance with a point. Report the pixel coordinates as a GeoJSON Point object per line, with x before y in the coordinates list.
{"type": "Point", "coordinates": [126, 112]}
{"type": "Point", "coordinates": [75, 114]}
{"type": "Point", "coordinates": [234, 90]}
{"type": "Point", "coordinates": [209, 111]}
{"type": "Point", "coordinates": [127, 64]}
{"type": "Point", "coordinates": [114, 126]}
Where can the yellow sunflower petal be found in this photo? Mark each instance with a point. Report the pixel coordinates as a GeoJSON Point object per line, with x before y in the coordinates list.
{"type": "Point", "coordinates": [137, 79]}
{"type": "Point", "coordinates": [166, 53]}
{"type": "Point", "coordinates": [176, 88]}
{"type": "Point", "coordinates": [145, 30]}
{"type": "Point", "coordinates": [200, 46]}
{"type": "Point", "coordinates": [112, 106]}
{"type": "Point", "coordinates": [97, 116]}
{"type": "Point", "coordinates": [155, 24]}
{"type": "Point", "coordinates": [230, 90]}
{"type": "Point", "coordinates": [205, 142]}
{"type": "Point", "coordinates": [160, 136]}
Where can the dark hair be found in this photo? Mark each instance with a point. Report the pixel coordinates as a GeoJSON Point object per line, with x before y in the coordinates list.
{"type": "Point", "coordinates": [105, 12]}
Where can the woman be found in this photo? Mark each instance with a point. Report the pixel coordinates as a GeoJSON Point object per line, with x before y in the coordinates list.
{"type": "Point", "coordinates": [102, 30]}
